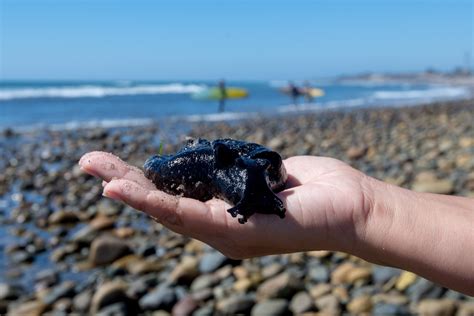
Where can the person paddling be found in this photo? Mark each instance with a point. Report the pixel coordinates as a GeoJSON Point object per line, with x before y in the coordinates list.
{"type": "Point", "coordinates": [294, 92]}
{"type": "Point", "coordinates": [223, 95]}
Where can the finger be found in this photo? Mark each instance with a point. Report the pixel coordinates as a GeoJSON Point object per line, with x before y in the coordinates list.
{"type": "Point", "coordinates": [183, 215]}
{"type": "Point", "coordinates": [108, 166]}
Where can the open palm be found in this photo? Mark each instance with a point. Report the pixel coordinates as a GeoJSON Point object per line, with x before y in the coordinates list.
{"type": "Point", "coordinates": [325, 201]}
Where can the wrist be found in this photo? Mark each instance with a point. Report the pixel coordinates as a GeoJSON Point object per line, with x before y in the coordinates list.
{"type": "Point", "coordinates": [428, 234]}
{"type": "Point", "coordinates": [357, 233]}
{"type": "Point", "coordinates": [377, 219]}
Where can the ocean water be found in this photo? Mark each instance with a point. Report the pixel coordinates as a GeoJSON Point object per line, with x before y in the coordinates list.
{"type": "Point", "coordinates": [73, 104]}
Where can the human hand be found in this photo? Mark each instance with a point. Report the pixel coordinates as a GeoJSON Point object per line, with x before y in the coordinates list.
{"type": "Point", "coordinates": [327, 203]}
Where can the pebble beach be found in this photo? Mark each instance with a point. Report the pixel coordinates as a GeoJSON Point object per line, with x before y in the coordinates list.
{"type": "Point", "coordinates": [65, 249]}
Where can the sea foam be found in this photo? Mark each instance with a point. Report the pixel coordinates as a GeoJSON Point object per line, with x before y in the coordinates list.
{"type": "Point", "coordinates": [433, 93]}
{"type": "Point", "coordinates": [217, 117]}
{"type": "Point", "coordinates": [97, 91]}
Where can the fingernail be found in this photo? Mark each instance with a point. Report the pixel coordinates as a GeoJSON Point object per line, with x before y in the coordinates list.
{"type": "Point", "coordinates": [111, 195]}
{"type": "Point", "coordinates": [89, 171]}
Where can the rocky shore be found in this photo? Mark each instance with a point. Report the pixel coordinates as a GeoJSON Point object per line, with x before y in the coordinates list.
{"type": "Point", "coordinates": [66, 249]}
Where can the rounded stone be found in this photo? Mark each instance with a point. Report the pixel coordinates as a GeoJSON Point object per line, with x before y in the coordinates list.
{"type": "Point", "coordinates": [320, 289]}
{"type": "Point", "coordinates": [185, 306]}
{"type": "Point", "coordinates": [301, 302]}
{"type": "Point", "coordinates": [358, 274]}
{"type": "Point", "coordinates": [444, 307]}
{"type": "Point", "coordinates": [328, 303]}
{"type": "Point", "coordinates": [283, 285]}
{"type": "Point", "coordinates": [204, 281]}
{"type": "Point", "coordinates": [186, 271]}
{"type": "Point", "coordinates": [360, 304]}
{"type": "Point", "coordinates": [339, 274]}
{"type": "Point", "coordinates": [107, 249]}
{"type": "Point", "coordinates": [444, 186]}
{"type": "Point", "coordinates": [319, 274]}
{"type": "Point", "coordinates": [63, 217]}
{"type": "Point", "coordinates": [277, 307]}
{"type": "Point", "coordinates": [31, 308]}
{"type": "Point", "coordinates": [110, 293]}
{"type": "Point", "coordinates": [81, 302]}
{"type": "Point", "coordinates": [236, 304]}
{"type": "Point", "coordinates": [212, 261]}
{"type": "Point", "coordinates": [161, 297]}
{"type": "Point", "coordinates": [102, 222]}
{"type": "Point", "coordinates": [405, 280]}
{"type": "Point", "coordinates": [124, 232]}
{"type": "Point", "coordinates": [390, 309]}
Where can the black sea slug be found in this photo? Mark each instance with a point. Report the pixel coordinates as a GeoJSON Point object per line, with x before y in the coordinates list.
{"type": "Point", "coordinates": [246, 175]}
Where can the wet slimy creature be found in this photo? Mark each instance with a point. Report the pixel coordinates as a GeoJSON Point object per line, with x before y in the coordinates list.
{"type": "Point", "coordinates": [245, 175]}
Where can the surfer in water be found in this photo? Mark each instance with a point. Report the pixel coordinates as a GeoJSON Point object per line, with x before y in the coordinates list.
{"type": "Point", "coordinates": [294, 92]}
{"type": "Point", "coordinates": [223, 95]}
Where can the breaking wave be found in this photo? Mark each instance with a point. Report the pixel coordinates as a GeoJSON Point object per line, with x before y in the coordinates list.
{"type": "Point", "coordinates": [97, 91]}
{"type": "Point", "coordinates": [434, 93]}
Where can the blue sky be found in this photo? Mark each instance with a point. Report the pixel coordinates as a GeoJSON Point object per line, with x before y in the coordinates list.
{"type": "Point", "coordinates": [138, 39]}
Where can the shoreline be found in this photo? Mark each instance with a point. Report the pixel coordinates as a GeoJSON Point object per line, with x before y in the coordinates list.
{"type": "Point", "coordinates": [53, 216]}
{"type": "Point", "coordinates": [232, 117]}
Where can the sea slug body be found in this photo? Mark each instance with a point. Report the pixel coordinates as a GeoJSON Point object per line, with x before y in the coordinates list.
{"type": "Point", "coordinates": [245, 175]}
